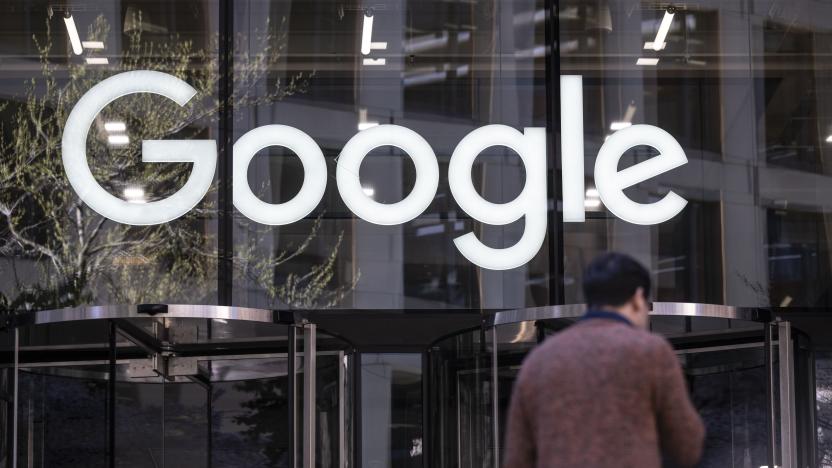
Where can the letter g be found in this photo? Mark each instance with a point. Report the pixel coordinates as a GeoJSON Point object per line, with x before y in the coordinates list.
{"type": "Point", "coordinates": [202, 153]}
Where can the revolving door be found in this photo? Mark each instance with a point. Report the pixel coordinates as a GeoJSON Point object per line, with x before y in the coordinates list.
{"type": "Point", "coordinates": [748, 373]}
{"type": "Point", "coordinates": [155, 386]}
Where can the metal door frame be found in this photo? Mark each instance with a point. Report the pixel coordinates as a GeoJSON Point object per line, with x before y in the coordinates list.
{"type": "Point", "coordinates": [116, 315]}
{"type": "Point", "coordinates": [781, 410]}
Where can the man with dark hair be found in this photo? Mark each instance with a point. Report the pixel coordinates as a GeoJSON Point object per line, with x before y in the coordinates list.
{"type": "Point", "coordinates": [605, 392]}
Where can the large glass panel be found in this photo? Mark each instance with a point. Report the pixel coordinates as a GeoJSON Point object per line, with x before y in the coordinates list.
{"type": "Point", "coordinates": [391, 410]}
{"type": "Point", "coordinates": [743, 87]}
{"type": "Point", "coordinates": [441, 69]}
{"type": "Point", "coordinates": [182, 397]}
{"type": "Point", "coordinates": [62, 411]}
{"type": "Point", "coordinates": [723, 361]}
{"type": "Point", "coordinates": [54, 249]}
{"type": "Point", "coordinates": [460, 400]}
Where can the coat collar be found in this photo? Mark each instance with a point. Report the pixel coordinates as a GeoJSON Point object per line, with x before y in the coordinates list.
{"type": "Point", "coordinates": [593, 314]}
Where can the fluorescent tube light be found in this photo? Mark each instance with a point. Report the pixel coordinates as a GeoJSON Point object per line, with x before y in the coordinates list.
{"type": "Point", "coordinates": [367, 44]}
{"type": "Point", "coordinates": [647, 61]}
{"type": "Point", "coordinates": [134, 195]}
{"type": "Point", "coordinates": [592, 203]}
{"type": "Point", "coordinates": [97, 61]}
{"type": "Point", "coordinates": [118, 140]}
{"type": "Point", "coordinates": [363, 123]}
{"type": "Point", "coordinates": [649, 46]}
{"type": "Point", "coordinates": [627, 120]}
{"type": "Point", "coordinates": [630, 112]}
{"type": "Point", "coordinates": [72, 31]}
{"type": "Point", "coordinates": [369, 61]}
{"type": "Point", "coordinates": [664, 28]}
{"type": "Point", "coordinates": [115, 126]}
{"type": "Point", "coordinates": [92, 44]}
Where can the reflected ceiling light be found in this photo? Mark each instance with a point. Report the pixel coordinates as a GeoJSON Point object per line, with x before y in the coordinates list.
{"type": "Point", "coordinates": [367, 44]}
{"type": "Point", "coordinates": [627, 120]}
{"type": "Point", "coordinates": [134, 194]}
{"type": "Point", "coordinates": [371, 62]}
{"type": "Point", "coordinates": [115, 126]}
{"type": "Point", "coordinates": [363, 123]}
{"type": "Point", "coordinates": [535, 52]}
{"type": "Point", "coordinates": [366, 125]}
{"type": "Point", "coordinates": [414, 79]}
{"type": "Point", "coordinates": [97, 61]}
{"type": "Point", "coordinates": [592, 203]}
{"type": "Point", "coordinates": [369, 191]}
{"type": "Point", "coordinates": [426, 42]}
{"type": "Point", "coordinates": [536, 16]}
{"type": "Point", "coordinates": [829, 139]}
{"type": "Point", "coordinates": [649, 45]}
{"type": "Point", "coordinates": [74, 39]}
{"type": "Point", "coordinates": [647, 61]}
{"type": "Point", "coordinates": [118, 140]}
{"type": "Point", "coordinates": [92, 44]}
{"type": "Point", "coordinates": [593, 198]}
{"type": "Point", "coordinates": [664, 28]}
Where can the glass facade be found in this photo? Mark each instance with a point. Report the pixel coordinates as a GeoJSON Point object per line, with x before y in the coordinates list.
{"type": "Point", "coordinates": [415, 359]}
{"type": "Point", "coordinates": [739, 85]}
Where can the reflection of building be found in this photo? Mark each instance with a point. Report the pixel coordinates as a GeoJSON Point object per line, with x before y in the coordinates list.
{"type": "Point", "coordinates": [414, 347]}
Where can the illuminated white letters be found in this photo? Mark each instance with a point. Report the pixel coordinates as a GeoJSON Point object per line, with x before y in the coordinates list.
{"type": "Point", "coordinates": [530, 145]}
{"type": "Point", "coordinates": [349, 184]}
{"type": "Point", "coordinates": [611, 182]}
{"type": "Point", "coordinates": [314, 175]}
{"type": "Point", "coordinates": [608, 180]}
{"type": "Point", "coordinates": [530, 204]}
{"type": "Point", "coordinates": [202, 153]}
{"type": "Point", "coordinates": [572, 147]}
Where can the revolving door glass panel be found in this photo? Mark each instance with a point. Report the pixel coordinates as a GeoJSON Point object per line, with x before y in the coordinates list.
{"type": "Point", "coordinates": [724, 362]}
{"type": "Point", "coordinates": [186, 392]}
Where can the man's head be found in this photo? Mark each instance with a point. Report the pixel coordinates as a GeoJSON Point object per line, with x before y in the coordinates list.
{"type": "Point", "coordinates": [618, 283]}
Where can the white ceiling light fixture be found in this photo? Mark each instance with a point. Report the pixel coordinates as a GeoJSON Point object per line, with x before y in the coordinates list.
{"type": "Point", "coordinates": [664, 28]}
{"type": "Point", "coordinates": [97, 61]}
{"type": "Point", "coordinates": [115, 126]}
{"type": "Point", "coordinates": [647, 61]}
{"type": "Point", "coordinates": [627, 120]}
{"type": "Point", "coordinates": [118, 140]}
{"type": "Point", "coordinates": [95, 45]}
{"type": "Point", "coordinates": [592, 199]}
{"type": "Point", "coordinates": [363, 123]}
{"type": "Point", "coordinates": [592, 203]}
{"type": "Point", "coordinates": [72, 31]}
{"type": "Point", "coordinates": [134, 195]}
{"type": "Point", "coordinates": [367, 44]}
